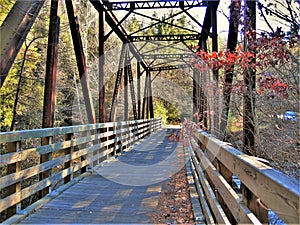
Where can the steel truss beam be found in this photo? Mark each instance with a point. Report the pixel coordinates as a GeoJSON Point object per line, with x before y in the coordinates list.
{"type": "Point", "coordinates": [175, 37]}
{"type": "Point", "coordinates": [119, 30]}
{"type": "Point", "coordinates": [168, 56]}
{"type": "Point", "coordinates": [14, 30]}
{"type": "Point", "coordinates": [171, 67]}
{"type": "Point", "coordinates": [126, 5]}
{"type": "Point", "coordinates": [80, 58]}
{"type": "Point", "coordinates": [117, 85]}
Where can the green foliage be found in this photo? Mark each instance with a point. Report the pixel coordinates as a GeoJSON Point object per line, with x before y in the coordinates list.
{"type": "Point", "coordinates": [173, 113]}
{"type": "Point", "coordinates": [5, 7]}
{"type": "Point", "coordinates": [161, 111]}
{"type": "Point", "coordinates": [167, 111]}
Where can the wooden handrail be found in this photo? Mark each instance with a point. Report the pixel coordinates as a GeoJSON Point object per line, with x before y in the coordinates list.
{"type": "Point", "coordinates": [69, 152]}
{"type": "Point", "coordinates": [262, 188]}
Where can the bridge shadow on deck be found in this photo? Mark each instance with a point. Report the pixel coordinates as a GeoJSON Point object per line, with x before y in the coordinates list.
{"type": "Point", "coordinates": [122, 190]}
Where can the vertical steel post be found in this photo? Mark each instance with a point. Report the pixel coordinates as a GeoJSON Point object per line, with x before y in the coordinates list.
{"type": "Point", "coordinates": [145, 98]}
{"type": "Point", "coordinates": [117, 89]}
{"type": "Point", "coordinates": [101, 107]}
{"type": "Point", "coordinates": [80, 58]}
{"type": "Point", "coordinates": [150, 97]}
{"type": "Point", "coordinates": [139, 88]}
{"type": "Point", "coordinates": [126, 87]}
{"type": "Point", "coordinates": [249, 79]}
{"type": "Point", "coordinates": [195, 97]}
{"type": "Point", "coordinates": [213, 8]}
{"type": "Point", "coordinates": [50, 83]}
{"type": "Point", "coordinates": [235, 9]}
{"type": "Point", "coordinates": [214, 106]}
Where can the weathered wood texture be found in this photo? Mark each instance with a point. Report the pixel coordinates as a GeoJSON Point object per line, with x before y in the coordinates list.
{"type": "Point", "coordinates": [106, 198]}
{"type": "Point", "coordinates": [71, 150]}
{"type": "Point", "coordinates": [262, 187]}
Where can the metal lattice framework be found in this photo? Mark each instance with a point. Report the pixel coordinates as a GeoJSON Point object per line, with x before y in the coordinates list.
{"type": "Point", "coordinates": [136, 41]}
{"type": "Point", "coordinates": [153, 4]}
{"type": "Point", "coordinates": [159, 60]}
{"type": "Point", "coordinates": [137, 8]}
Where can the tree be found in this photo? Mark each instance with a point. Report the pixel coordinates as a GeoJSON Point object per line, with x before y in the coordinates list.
{"type": "Point", "coordinates": [277, 86]}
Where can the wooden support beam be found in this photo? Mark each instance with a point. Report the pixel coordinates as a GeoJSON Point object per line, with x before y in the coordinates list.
{"type": "Point", "coordinates": [13, 168]}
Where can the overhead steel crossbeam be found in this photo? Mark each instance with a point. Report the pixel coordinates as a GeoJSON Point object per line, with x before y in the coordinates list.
{"type": "Point", "coordinates": [162, 21]}
{"type": "Point", "coordinates": [170, 67]}
{"type": "Point", "coordinates": [168, 56]}
{"type": "Point", "coordinates": [161, 46]}
{"type": "Point", "coordinates": [174, 37]}
{"type": "Point", "coordinates": [118, 29]}
{"type": "Point", "coordinates": [126, 5]}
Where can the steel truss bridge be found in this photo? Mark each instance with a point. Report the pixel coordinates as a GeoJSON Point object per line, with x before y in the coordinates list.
{"type": "Point", "coordinates": [67, 153]}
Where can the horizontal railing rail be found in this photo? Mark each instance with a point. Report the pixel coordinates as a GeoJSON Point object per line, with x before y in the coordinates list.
{"type": "Point", "coordinates": [35, 163]}
{"type": "Point", "coordinates": [216, 166]}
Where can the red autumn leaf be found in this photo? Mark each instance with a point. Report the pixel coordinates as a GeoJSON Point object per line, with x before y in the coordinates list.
{"type": "Point", "coordinates": [214, 55]}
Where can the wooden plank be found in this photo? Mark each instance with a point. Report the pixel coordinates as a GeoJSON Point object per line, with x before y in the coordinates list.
{"type": "Point", "coordinates": [276, 190]}
{"type": "Point", "coordinates": [240, 212]}
{"type": "Point", "coordinates": [16, 219]}
{"type": "Point", "coordinates": [47, 132]}
{"type": "Point", "coordinates": [210, 196]}
{"type": "Point", "coordinates": [34, 170]}
{"type": "Point", "coordinates": [204, 204]}
{"type": "Point", "coordinates": [13, 136]}
{"type": "Point", "coordinates": [69, 163]}
{"type": "Point", "coordinates": [70, 143]}
{"type": "Point", "coordinates": [13, 157]}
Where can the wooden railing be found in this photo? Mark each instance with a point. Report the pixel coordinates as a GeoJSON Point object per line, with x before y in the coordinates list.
{"type": "Point", "coordinates": [36, 164]}
{"type": "Point", "coordinates": [214, 165]}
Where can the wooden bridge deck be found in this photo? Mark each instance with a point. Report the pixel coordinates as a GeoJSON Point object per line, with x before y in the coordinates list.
{"type": "Point", "coordinates": [121, 190]}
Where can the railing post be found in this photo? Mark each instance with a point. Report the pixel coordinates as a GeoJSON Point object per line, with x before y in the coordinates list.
{"type": "Point", "coordinates": [255, 205]}
{"type": "Point", "coordinates": [84, 157]}
{"type": "Point", "coordinates": [45, 158]}
{"type": "Point", "coordinates": [69, 164]}
{"type": "Point", "coordinates": [15, 188]}
{"type": "Point", "coordinates": [115, 128]}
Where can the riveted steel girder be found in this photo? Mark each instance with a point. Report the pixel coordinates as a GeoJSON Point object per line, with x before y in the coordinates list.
{"type": "Point", "coordinates": [175, 37]}
{"type": "Point", "coordinates": [119, 30]}
{"type": "Point", "coordinates": [170, 67]}
{"type": "Point", "coordinates": [127, 5]}
{"type": "Point", "coordinates": [168, 56]}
